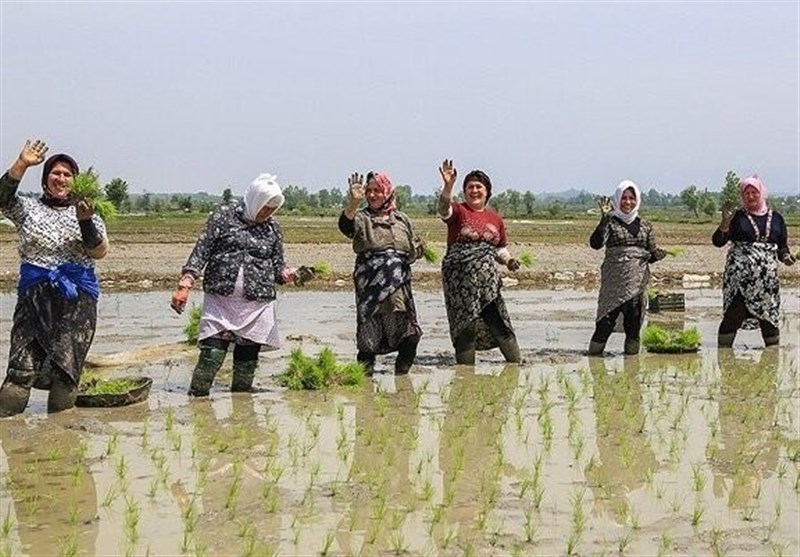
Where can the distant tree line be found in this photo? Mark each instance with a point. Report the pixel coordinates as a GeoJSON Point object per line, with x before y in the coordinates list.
{"type": "Point", "coordinates": [510, 203]}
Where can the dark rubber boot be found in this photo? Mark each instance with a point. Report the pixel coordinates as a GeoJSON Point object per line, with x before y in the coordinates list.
{"type": "Point", "coordinates": [405, 356]}
{"type": "Point", "coordinates": [13, 399]}
{"type": "Point", "coordinates": [367, 360]}
{"type": "Point", "coordinates": [772, 341]}
{"type": "Point", "coordinates": [62, 395]}
{"type": "Point", "coordinates": [596, 348]}
{"type": "Point", "coordinates": [206, 370]}
{"type": "Point", "coordinates": [510, 349]}
{"type": "Point", "coordinates": [725, 340]}
{"type": "Point", "coordinates": [632, 347]}
{"type": "Point", "coordinates": [243, 374]}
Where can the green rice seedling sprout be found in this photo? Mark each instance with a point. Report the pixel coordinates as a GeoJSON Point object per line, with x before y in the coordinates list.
{"type": "Point", "coordinates": [526, 259]}
{"type": "Point", "coordinates": [675, 251]}
{"type": "Point", "coordinates": [132, 515]}
{"type": "Point", "coordinates": [323, 269]}
{"type": "Point", "coordinates": [192, 328]}
{"type": "Point", "coordinates": [86, 186]}
{"type": "Point", "coordinates": [623, 542]}
{"type": "Point", "coordinates": [430, 253]}
{"type": "Point", "coordinates": [305, 372]}
{"type": "Point", "coordinates": [110, 497]}
{"type": "Point", "coordinates": [697, 515]}
{"type": "Point", "coordinates": [657, 339]}
{"type": "Point", "coordinates": [698, 479]}
{"type": "Point", "coordinates": [665, 544]}
{"type": "Point", "coordinates": [529, 526]}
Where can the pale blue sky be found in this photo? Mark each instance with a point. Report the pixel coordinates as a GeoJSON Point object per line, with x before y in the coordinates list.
{"type": "Point", "coordinates": [185, 97]}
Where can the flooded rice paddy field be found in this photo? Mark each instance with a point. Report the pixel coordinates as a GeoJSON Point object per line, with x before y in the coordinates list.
{"type": "Point", "coordinates": [654, 454]}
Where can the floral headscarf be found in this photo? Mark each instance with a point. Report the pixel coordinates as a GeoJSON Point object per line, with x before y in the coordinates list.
{"type": "Point", "coordinates": [263, 191]}
{"type": "Point", "coordinates": [627, 218]}
{"type": "Point", "coordinates": [755, 181]}
{"type": "Point", "coordinates": [385, 184]}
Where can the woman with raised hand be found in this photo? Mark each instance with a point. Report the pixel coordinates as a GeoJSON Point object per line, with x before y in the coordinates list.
{"type": "Point", "coordinates": [630, 244]}
{"type": "Point", "coordinates": [240, 255]}
{"type": "Point", "coordinates": [476, 243]}
{"type": "Point", "coordinates": [54, 321]}
{"type": "Point", "coordinates": [759, 239]}
{"type": "Point", "coordinates": [385, 245]}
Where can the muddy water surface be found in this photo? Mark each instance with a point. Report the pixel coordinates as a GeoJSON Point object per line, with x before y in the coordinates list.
{"type": "Point", "coordinates": [684, 454]}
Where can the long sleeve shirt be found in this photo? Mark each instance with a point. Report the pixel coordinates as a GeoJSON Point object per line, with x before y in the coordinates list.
{"type": "Point", "coordinates": [612, 232]}
{"type": "Point", "coordinates": [48, 236]}
{"type": "Point", "coordinates": [230, 242]}
{"type": "Point", "coordinates": [741, 230]}
{"type": "Point", "coordinates": [374, 233]}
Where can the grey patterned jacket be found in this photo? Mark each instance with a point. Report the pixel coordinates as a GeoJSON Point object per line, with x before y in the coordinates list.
{"type": "Point", "coordinates": [230, 242]}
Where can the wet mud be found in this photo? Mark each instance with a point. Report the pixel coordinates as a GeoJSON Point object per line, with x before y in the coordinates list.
{"type": "Point", "coordinates": [653, 454]}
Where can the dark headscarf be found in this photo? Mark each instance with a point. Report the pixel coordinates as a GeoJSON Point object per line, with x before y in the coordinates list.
{"type": "Point", "coordinates": [47, 199]}
{"type": "Point", "coordinates": [483, 178]}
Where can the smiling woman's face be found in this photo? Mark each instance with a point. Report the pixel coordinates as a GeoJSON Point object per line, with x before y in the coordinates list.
{"type": "Point", "coordinates": [475, 194]}
{"type": "Point", "coordinates": [375, 195]}
{"type": "Point", "coordinates": [627, 202]}
{"type": "Point", "coordinates": [59, 180]}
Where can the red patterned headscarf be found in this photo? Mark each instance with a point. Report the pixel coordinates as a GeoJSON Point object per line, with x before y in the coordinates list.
{"type": "Point", "coordinates": [755, 182]}
{"type": "Point", "coordinates": [385, 185]}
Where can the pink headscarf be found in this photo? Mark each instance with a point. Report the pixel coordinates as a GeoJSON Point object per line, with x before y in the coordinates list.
{"type": "Point", "coordinates": [385, 185]}
{"type": "Point", "coordinates": [755, 182]}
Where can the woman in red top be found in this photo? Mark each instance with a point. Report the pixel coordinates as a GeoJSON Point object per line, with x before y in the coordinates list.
{"type": "Point", "coordinates": [476, 239]}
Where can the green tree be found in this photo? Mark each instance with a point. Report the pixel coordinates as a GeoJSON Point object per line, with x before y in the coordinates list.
{"type": "Point", "coordinates": [143, 202]}
{"type": "Point", "coordinates": [528, 199]}
{"type": "Point", "coordinates": [514, 199]}
{"type": "Point", "coordinates": [117, 192]}
{"type": "Point", "coordinates": [403, 196]}
{"type": "Point", "coordinates": [227, 195]}
{"type": "Point", "coordinates": [707, 204]}
{"type": "Point", "coordinates": [691, 199]}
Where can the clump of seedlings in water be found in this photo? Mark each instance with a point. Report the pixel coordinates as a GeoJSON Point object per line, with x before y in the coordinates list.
{"type": "Point", "coordinates": [526, 259]}
{"type": "Point", "coordinates": [659, 340]}
{"type": "Point", "coordinates": [320, 372]}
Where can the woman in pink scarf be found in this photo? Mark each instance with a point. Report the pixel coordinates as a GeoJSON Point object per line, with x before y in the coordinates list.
{"type": "Point", "coordinates": [759, 238]}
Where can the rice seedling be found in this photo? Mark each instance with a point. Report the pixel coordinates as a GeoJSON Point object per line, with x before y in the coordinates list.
{"type": "Point", "coordinates": [675, 251]}
{"type": "Point", "coordinates": [526, 259]}
{"type": "Point", "coordinates": [698, 479]}
{"type": "Point", "coordinates": [623, 541]}
{"type": "Point", "coordinates": [529, 526]}
{"type": "Point", "coordinates": [132, 515]}
{"type": "Point", "coordinates": [322, 372]}
{"type": "Point", "coordinates": [322, 269]}
{"type": "Point", "coordinates": [430, 253]}
{"type": "Point", "coordinates": [86, 187]}
{"type": "Point", "coordinates": [192, 328]}
{"type": "Point", "coordinates": [697, 515]}
{"type": "Point", "coordinates": [659, 340]}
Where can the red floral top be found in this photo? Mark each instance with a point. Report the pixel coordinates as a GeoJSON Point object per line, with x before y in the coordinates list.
{"type": "Point", "coordinates": [467, 225]}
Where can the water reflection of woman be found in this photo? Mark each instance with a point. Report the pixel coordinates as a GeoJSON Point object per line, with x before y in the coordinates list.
{"type": "Point", "coordinates": [745, 452]}
{"type": "Point", "coordinates": [625, 457]}
{"type": "Point", "coordinates": [52, 488]}
{"type": "Point", "coordinates": [759, 239]}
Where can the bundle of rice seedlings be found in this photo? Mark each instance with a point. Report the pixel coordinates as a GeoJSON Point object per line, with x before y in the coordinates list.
{"type": "Point", "coordinates": [93, 385]}
{"type": "Point", "coordinates": [320, 372]}
{"type": "Point", "coordinates": [192, 328]}
{"type": "Point", "coordinates": [322, 269]}
{"type": "Point", "coordinates": [430, 253]}
{"type": "Point", "coordinates": [797, 255]}
{"type": "Point", "coordinates": [656, 339]}
{"type": "Point", "coordinates": [526, 259]}
{"type": "Point", "coordinates": [86, 186]}
{"type": "Point", "coordinates": [675, 251]}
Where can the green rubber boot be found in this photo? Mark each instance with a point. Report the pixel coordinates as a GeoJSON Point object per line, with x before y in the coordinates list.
{"type": "Point", "coordinates": [632, 347]}
{"type": "Point", "coordinates": [596, 348]}
{"type": "Point", "coordinates": [725, 340]}
{"type": "Point", "coordinates": [206, 370]}
{"type": "Point", "coordinates": [243, 374]}
{"type": "Point", "coordinates": [510, 349]}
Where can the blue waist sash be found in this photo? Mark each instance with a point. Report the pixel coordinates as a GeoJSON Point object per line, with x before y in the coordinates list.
{"type": "Point", "coordinates": [69, 277]}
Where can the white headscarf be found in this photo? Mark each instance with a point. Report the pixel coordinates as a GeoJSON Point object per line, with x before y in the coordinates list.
{"type": "Point", "coordinates": [627, 218]}
{"type": "Point", "coordinates": [264, 190]}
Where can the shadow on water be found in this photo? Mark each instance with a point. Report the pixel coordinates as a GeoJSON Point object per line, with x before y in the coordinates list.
{"type": "Point", "coordinates": [683, 454]}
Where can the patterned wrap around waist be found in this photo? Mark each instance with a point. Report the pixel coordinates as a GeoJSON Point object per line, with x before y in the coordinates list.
{"type": "Point", "coordinates": [751, 270]}
{"type": "Point", "coordinates": [385, 310]}
{"type": "Point", "coordinates": [471, 282]}
{"type": "Point", "coordinates": [624, 275]}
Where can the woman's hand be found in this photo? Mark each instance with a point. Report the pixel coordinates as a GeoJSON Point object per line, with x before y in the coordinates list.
{"type": "Point", "coordinates": [512, 264]}
{"type": "Point", "coordinates": [727, 211]}
{"type": "Point", "coordinates": [181, 294]}
{"type": "Point", "coordinates": [289, 275]}
{"type": "Point", "coordinates": [448, 173]}
{"type": "Point", "coordinates": [84, 209]}
{"type": "Point", "coordinates": [606, 207]}
{"type": "Point", "coordinates": [33, 154]}
{"type": "Point", "coordinates": [356, 189]}
{"type": "Point", "coordinates": [788, 259]}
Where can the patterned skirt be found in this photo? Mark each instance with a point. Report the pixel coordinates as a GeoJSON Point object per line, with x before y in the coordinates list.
{"type": "Point", "coordinates": [624, 275]}
{"type": "Point", "coordinates": [385, 310]}
{"type": "Point", "coordinates": [62, 328]}
{"type": "Point", "coordinates": [471, 282]}
{"type": "Point", "coordinates": [751, 270]}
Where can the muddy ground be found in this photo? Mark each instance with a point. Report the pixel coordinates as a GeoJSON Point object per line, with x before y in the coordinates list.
{"type": "Point", "coordinates": [138, 266]}
{"type": "Point", "coordinates": [655, 454]}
